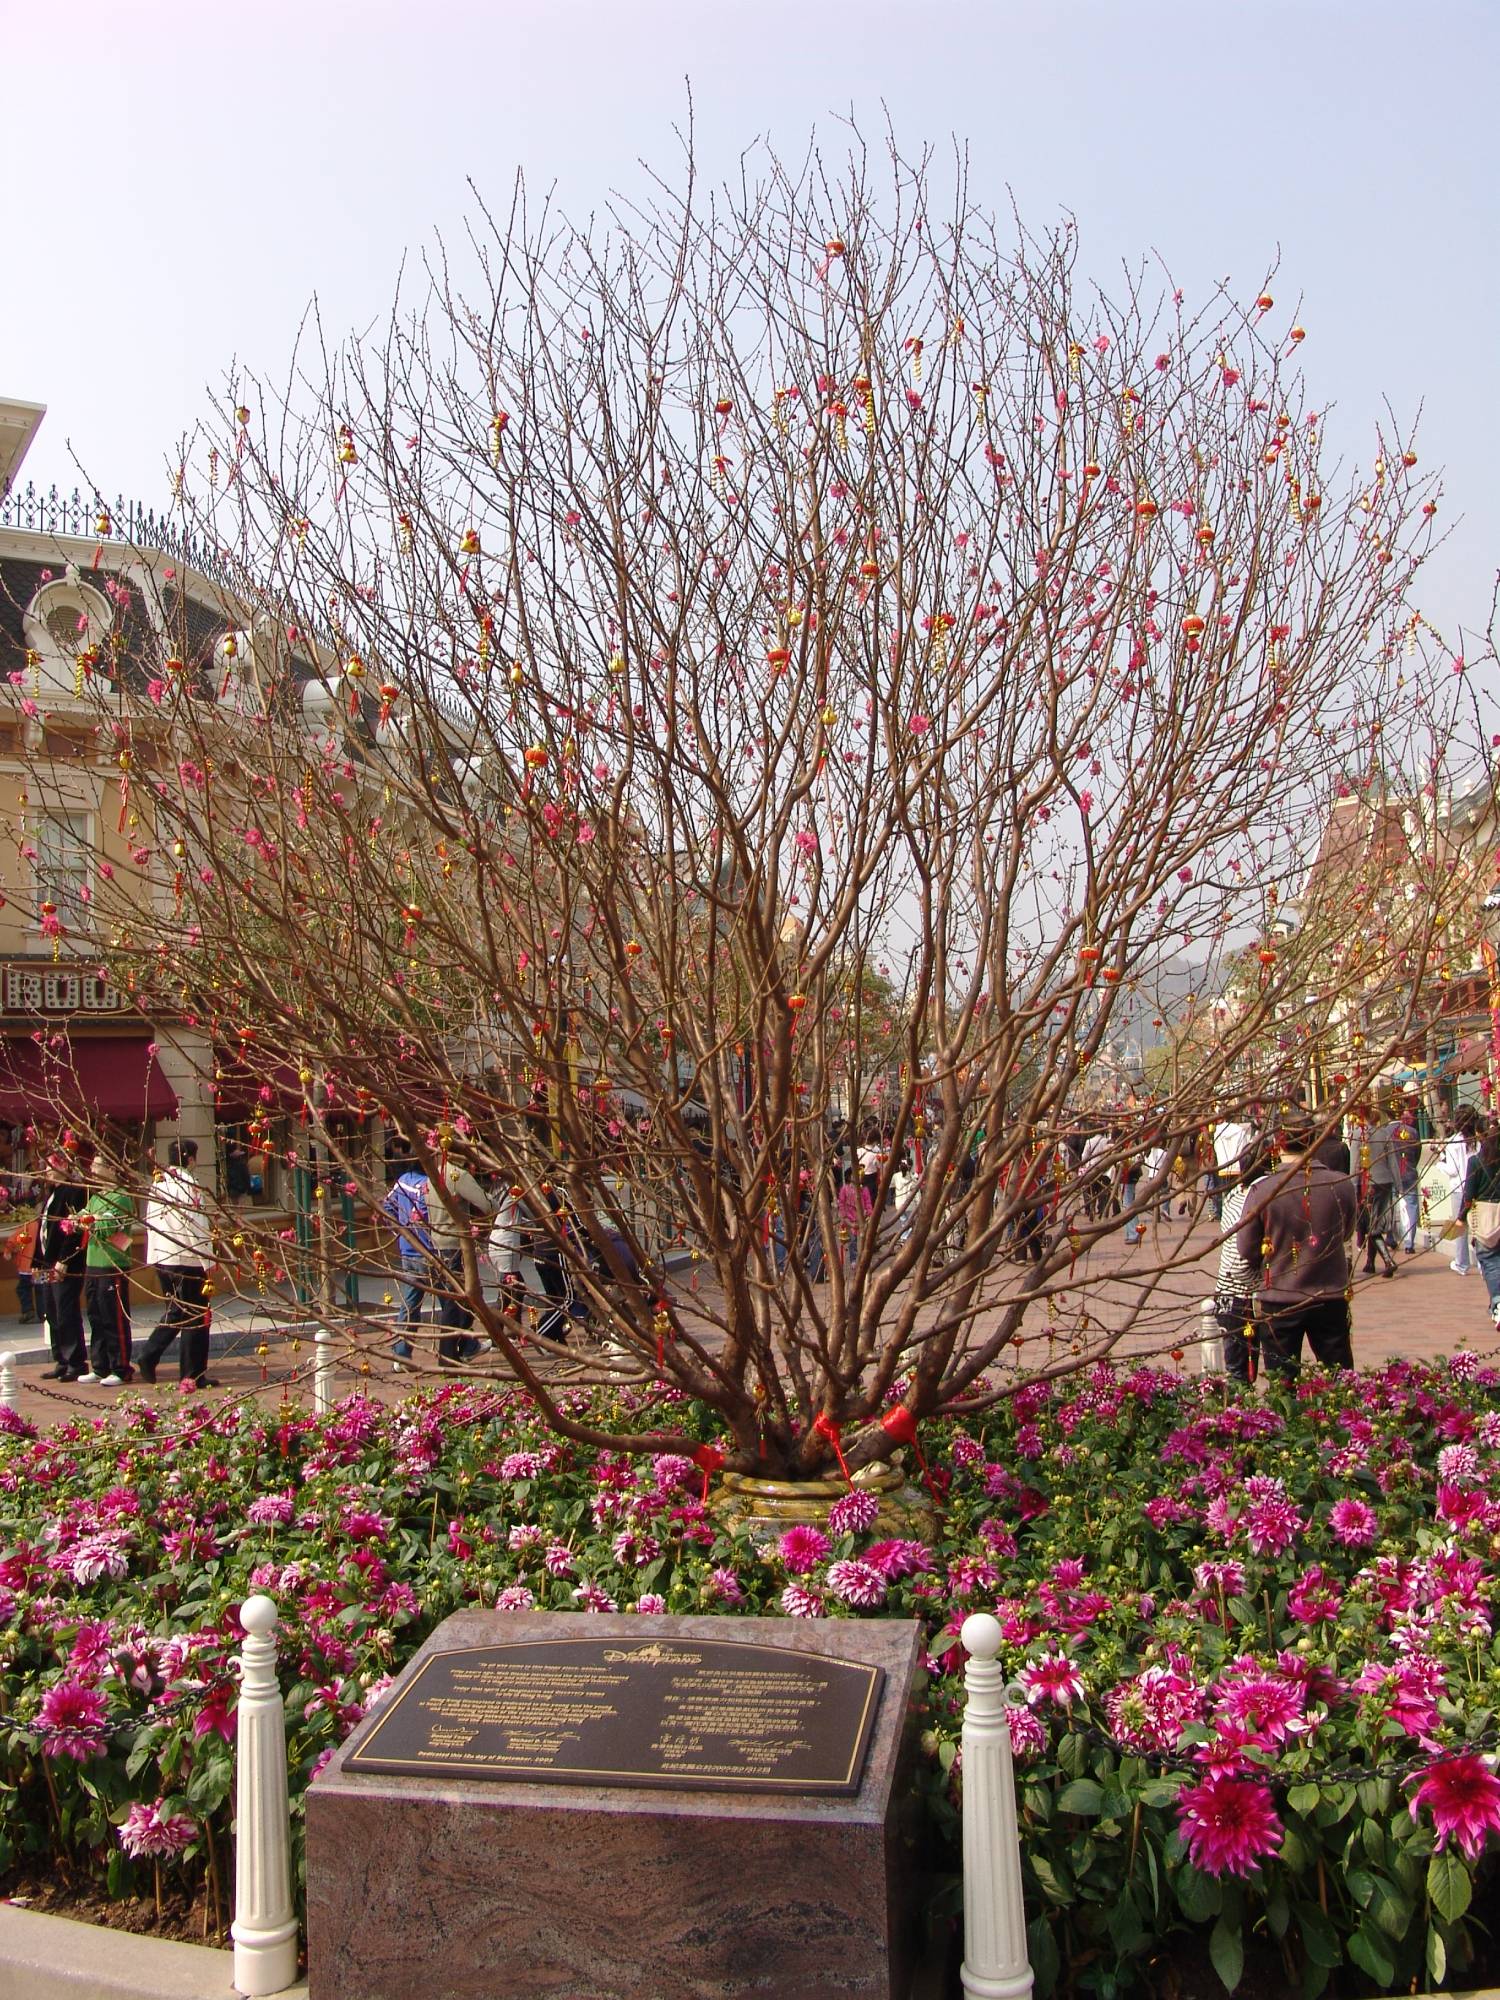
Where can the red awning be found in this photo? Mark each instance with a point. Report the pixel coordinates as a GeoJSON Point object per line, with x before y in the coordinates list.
{"type": "Point", "coordinates": [112, 1076]}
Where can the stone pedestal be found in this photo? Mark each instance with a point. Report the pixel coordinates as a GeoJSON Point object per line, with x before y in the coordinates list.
{"type": "Point", "coordinates": [442, 1888]}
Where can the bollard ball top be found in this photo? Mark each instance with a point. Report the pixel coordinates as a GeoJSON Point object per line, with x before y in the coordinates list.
{"type": "Point", "coordinates": [979, 1635]}
{"type": "Point", "coordinates": [258, 1614]}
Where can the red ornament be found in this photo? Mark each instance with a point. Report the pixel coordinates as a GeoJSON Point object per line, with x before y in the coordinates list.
{"type": "Point", "coordinates": [900, 1424]}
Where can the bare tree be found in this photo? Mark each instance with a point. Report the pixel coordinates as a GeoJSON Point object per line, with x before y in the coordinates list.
{"type": "Point", "coordinates": [775, 664]}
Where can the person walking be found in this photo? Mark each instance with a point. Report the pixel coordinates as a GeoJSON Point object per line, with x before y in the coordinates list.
{"type": "Point", "coordinates": [1293, 1238]}
{"type": "Point", "coordinates": [451, 1207]}
{"type": "Point", "coordinates": [1381, 1177]}
{"type": "Point", "coordinates": [60, 1250]}
{"type": "Point", "coordinates": [1406, 1142]}
{"type": "Point", "coordinates": [179, 1243]}
{"type": "Point", "coordinates": [1458, 1148]}
{"type": "Point", "coordinates": [106, 1286]}
{"type": "Point", "coordinates": [406, 1207]}
{"type": "Point", "coordinates": [1482, 1183]}
{"type": "Point", "coordinates": [1234, 1289]}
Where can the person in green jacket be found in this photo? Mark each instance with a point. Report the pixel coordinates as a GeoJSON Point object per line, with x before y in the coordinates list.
{"type": "Point", "coordinates": [106, 1289]}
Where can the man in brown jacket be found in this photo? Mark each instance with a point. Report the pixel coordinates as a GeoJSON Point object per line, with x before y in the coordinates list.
{"type": "Point", "coordinates": [1294, 1239]}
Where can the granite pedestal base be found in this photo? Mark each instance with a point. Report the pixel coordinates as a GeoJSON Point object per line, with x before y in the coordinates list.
{"type": "Point", "coordinates": [436, 1888]}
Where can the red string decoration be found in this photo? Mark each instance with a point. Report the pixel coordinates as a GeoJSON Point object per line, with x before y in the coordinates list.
{"type": "Point", "coordinates": [900, 1424]}
{"type": "Point", "coordinates": [825, 1427]}
{"type": "Point", "coordinates": [709, 1459]}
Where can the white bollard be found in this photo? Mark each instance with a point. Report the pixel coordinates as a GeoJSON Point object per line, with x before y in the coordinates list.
{"type": "Point", "coordinates": [323, 1371]}
{"type": "Point", "coordinates": [8, 1381]}
{"type": "Point", "coordinates": [1210, 1341]}
{"type": "Point", "coordinates": [264, 1928]}
{"type": "Point", "coordinates": [996, 1966]}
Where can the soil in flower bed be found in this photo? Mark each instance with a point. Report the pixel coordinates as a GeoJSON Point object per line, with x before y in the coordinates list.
{"type": "Point", "coordinates": [186, 1918]}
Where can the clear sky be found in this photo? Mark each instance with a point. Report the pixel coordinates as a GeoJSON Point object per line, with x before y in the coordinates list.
{"type": "Point", "coordinates": [179, 177]}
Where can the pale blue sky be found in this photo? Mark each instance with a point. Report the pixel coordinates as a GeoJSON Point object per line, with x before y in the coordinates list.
{"type": "Point", "coordinates": [177, 179]}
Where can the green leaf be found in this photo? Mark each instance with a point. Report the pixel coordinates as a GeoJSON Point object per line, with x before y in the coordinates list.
{"type": "Point", "coordinates": [1072, 1754]}
{"type": "Point", "coordinates": [1125, 1929]}
{"type": "Point", "coordinates": [1041, 1949]}
{"type": "Point", "coordinates": [1319, 1939]}
{"type": "Point", "coordinates": [1082, 1796]}
{"type": "Point", "coordinates": [1198, 1896]}
{"type": "Point", "coordinates": [1227, 1950]}
{"type": "Point", "coordinates": [1437, 1956]}
{"type": "Point", "coordinates": [1053, 1886]}
{"type": "Point", "coordinates": [1449, 1886]}
{"type": "Point", "coordinates": [1390, 1909]}
{"type": "Point", "coordinates": [1371, 1954]}
{"type": "Point", "coordinates": [1159, 1792]}
{"type": "Point", "coordinates": [1303, 1798]}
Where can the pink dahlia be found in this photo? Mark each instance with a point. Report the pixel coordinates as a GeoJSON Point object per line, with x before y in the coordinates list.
{"type": "Point", "coordinates": [1270, 1525]}
{"type": "Point", "coordinates": [71, 1721]}
{"type": "Point", "coordinates": [1028, 1733]}
{"type": "Point", "coordinates": [797, 1601]}
{"type": "Point", "coordinates": [515, 1597]}
{"type": "Point", "coordinates": [521, 1465]}
{"type": "Point", "coordinates": [725, 1587]}
{"type": "Point", "coordinates": [855, 1514]}
{"type": "Point", "coordinates": [1052, 1678]}
{"type": "Point", "coordinates": [1313, 1598]}
{"type": "Point", "coordinates": [1265, 1706]}
{"type": "Point", "coordinates": [651, 1604]}
{"type": "Point", "coordinates": [857, 1583]}
{"type": "Point", "coordinates": [590, 1597]}
{"type": "Point", "coordinates": [1458, 1464]}
{"type": "Point", "coordinates": [1354, 1523]}
{"type": "Point", "coordinates": [899, 1558]}
{"type": "Point", "coordinates": [1463, 1796]}
{"type": "Point", "coordinates": [1229, 1824]}
{"type": "Point", "coordinates": [149, 1834]}
{"type": "Point", "coordinates": [802, 1549]}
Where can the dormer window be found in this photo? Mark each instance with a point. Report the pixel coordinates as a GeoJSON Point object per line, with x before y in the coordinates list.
{"type": "Point", "coordinates": [67, 621]}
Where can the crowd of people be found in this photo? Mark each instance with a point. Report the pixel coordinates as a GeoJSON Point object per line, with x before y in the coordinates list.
{"type": "Point", "coordinates": [1295, 1209]}
{"type": "Point", "coordinates": [72, 1252]}
{"type": "Point", "coordinates": [1295, 1204]}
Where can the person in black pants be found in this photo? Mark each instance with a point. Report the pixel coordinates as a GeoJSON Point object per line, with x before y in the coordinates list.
{"type": "Point", "coordinates": [179, 1242]}
{"type": "Point", "coordinates": [61, 1248]}
{"type": "Point", "coordinates": [186, 1315]}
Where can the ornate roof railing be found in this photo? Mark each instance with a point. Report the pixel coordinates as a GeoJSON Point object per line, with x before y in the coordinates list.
{"type": "Point", "coordinates": [123, 524]}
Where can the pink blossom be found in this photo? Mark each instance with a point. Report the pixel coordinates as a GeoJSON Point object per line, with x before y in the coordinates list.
{"type": "Point", "coordinates": [802, 1548]}
{"type": "Point", "coordinates": [725, 1587]}
{"type": "Point", "coordinates": [72, 1721]}
{"type": "Point", "coordinates": [590, 1597]}
{"type": "Point", "coordinates": [1028, 1733]}
{"type": "Point", "coordinates": [150, 1834]}
{"type": "Point", "coordinates": [1353, 1523]}
{"type": "Point", "coordinates": [1463, 1795]}
{"type": "Point", "coordinates": [1054, 1678]}
{"type": "Point", "coordinates": [854, 1514]}
{"type": "Point", "coordinates": [797, 1601]}
{"type": "Point", "coordinates": [651, 1604]}
{"type": "Point", "coordinates": [901, 1558]}
{"type": "Point", "coordinates": [1229, 1824]}
{"type": "Point", "coordinates": [857, 1583]}
{"type": "Point", "coordinates": [515, 1597]}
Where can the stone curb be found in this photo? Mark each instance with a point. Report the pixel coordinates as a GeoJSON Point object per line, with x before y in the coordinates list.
{"type": "Point", "coordinates": [56, 1958]}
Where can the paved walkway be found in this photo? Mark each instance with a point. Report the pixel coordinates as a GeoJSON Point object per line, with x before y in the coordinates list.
{"type": "Point", "coordinates": [1422, 1313]}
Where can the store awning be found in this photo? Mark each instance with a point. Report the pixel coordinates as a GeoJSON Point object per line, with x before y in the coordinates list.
{"type": "Point", "coordinates": [110, 1076]}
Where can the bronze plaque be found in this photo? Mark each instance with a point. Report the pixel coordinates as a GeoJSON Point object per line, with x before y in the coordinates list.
{"type": "Point", "coordinates": [708, 1715]}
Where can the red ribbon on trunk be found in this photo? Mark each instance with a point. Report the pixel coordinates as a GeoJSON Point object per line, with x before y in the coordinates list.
{"type": "Point", "coordinates": [825, 1427]}
{"type": "Point", "coordinates": [900, 1424]}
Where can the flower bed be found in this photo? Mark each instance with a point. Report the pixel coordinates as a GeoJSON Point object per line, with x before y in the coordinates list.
{"type": "Point", "coordinates": [1255, 1639]}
